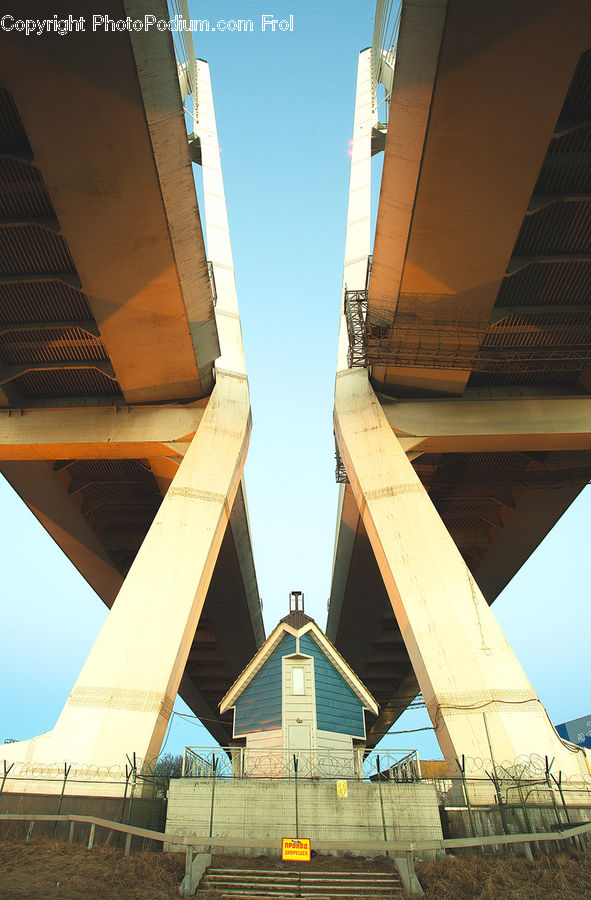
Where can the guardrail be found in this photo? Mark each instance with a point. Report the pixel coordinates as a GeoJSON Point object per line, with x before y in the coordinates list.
{"type": "Point", "coordinates": [280, 762]}
{"type": "Point", "coordinates": [398, 850]}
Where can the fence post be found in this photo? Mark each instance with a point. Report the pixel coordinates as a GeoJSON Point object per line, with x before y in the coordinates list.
{"type": "Point", "coordinates": [212, 796]}
{"type": "Point", "coordinates": [151, 807]}
{"type": "Point", "coordinates": [526, 820]}
{"type": "Point", "coordinates": [188, 867]}
{"type": "Point", "coordinates": [462, 768]}
{"type": "Point", "coordinates": [6, 771]}
{"type": "Point", "coordinates": [297, 820]}
{"type": "Point", "coordinates": [410, 865]}
{"type": "Point", "coordinates": [381, 800]}
{"type": "Point", "coordinates": [551, 789]}
{"type": "Point", "coordinates": [127, 774]}
{"type": "Point", "coordinates": [59, 806]}
{"type": "Point", "coordinates": [579, 844]}
{"type": "Point", "coordinates": [494, 780]}
{"type": "Point", "coordinates": [133, 784]}
{"type": "Point", "coordinates": [91, 836]}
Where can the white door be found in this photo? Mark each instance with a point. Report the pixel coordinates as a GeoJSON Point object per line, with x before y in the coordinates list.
{"type": "Point", "coordinates": [300, 743]}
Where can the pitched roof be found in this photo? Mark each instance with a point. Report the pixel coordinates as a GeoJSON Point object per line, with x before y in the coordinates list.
{"type": "Point", "coordinates": [298, 624]}
{"type": "Point", "coordinates": [297, 619]}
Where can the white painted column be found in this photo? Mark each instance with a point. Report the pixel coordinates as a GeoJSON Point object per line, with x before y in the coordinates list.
{"type": "Point", "coordinates": [124, 694]}
{"type": "Point", "coordinates": [219, 248]}
{"type": "Point", "coordinates": [479, 699]}
{"type": "Point", "coordinates": [471, 680]}
{"type": "Point", "coordinates": [358, 234]}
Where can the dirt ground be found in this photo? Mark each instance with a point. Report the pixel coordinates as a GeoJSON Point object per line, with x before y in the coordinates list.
{"type": "Point", "coordinates": [320, 862]}
{"type": "Point", "coordinates": [51, 869]}
{"type": "Point", "coordinates": [560, 876]}
{"type": "Point", "coordinates": [60, 871]}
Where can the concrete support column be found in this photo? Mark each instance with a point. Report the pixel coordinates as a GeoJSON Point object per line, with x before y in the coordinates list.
{"type": "Point", "coordinates": [123, 698]}
{"type": "Point", "coordinates": [219, 247]}
{"type": "Point", "coordinates": [479, 699]}
{"type": "Point", "coordinates": [124, 694]}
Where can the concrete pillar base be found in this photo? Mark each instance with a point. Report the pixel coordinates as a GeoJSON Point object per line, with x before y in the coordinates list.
{"type": "Point", "coordinates": [123, 698]}
{"type": "Point", "coordinates": [478, 697]}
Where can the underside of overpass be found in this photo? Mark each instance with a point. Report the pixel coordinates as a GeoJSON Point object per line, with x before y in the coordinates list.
{"type": "Point", "coordinates": [108, 332]}
{"type": "Point", "coordinates": [473, 317]}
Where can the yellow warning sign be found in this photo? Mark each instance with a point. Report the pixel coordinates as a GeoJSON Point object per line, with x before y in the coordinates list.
{"type": "Point", "coordinates": [296, 848]}
{"type": "Point", "coordinates": [342, 789]}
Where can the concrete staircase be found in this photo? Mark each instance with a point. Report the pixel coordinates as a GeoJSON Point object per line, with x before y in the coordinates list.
{"type": "Point", "coordinates": [263, 884]}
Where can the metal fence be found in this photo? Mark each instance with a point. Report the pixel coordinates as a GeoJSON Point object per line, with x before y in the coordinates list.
{"type": "Point", "coordinates": [283, 762]}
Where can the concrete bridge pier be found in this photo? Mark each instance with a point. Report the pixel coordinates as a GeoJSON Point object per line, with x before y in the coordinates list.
{"type": "Point", "coordinates": [123, 697]}
{"type": "Point", "coordinates": [480, 700]}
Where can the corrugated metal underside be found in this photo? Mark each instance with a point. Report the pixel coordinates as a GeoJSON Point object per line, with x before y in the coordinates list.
{"type": "Point", "coordinates": [539, 340]}
{"type": "Point", "coordinates": [546, 308]}
{"type": "Point", "coordinates": [50, 346]}
{"type": "Point", "coordinates": [554, 295]}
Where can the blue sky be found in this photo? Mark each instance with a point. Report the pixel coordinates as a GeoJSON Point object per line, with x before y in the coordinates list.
{"type": "Point", "coordinates": [284, 107]}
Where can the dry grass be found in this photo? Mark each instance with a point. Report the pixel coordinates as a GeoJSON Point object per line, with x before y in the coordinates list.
{"type": "Point", "coordinates": [60, 871]}
{"type": "Point", "coordinates": [560, 876]}
{"type": "Point", "coordinates": [50, 869]}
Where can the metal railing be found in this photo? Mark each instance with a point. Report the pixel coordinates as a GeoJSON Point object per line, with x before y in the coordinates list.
{"type": "Point", "coordinates": [383, 48]}
{"type": "Point", "coordinates": [375, 338]}
{"type": "Point", "coordinates": [355, 315]}
{"type": "Point", "coordinates": [282, 762]}
{"type": "Point", "coordinates": [184, 50]}
{"type": "Point", "coordinates": [396, 849]}
{"type": "Point", "coordinates": [340, 472]}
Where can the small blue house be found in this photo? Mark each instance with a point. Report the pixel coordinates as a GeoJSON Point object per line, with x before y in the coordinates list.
{"type": "Point", "coordinates": [298, 693]}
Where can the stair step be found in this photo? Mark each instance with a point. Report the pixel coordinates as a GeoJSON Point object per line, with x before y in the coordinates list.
{"type": "Point", "coordinates": [276, 884]}
{"type": "Point", "coordinates": [307, 878]}
{"type": "Point", "coordinates": [261, 895]}
{"type": "Point", "coordinates": [274, 889]}
{"type": "Point", "coordinates": [304, 873]}
{"type": "Point", "coordinates": [368, 880]}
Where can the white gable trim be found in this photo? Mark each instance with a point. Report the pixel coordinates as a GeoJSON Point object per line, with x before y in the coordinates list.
{"type": "Point", "coordinates": [256, 663]}
{"type": "Point", "coordinates": [260, 658]}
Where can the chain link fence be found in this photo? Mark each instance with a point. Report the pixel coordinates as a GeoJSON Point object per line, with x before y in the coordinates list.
{"type": "Point", "coordinates": [381, 795]}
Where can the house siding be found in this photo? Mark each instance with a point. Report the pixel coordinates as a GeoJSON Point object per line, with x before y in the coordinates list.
{"type": "Point", "coordinates": [259, 708]}
{"type": "Point", "coordinates": [338, 708]}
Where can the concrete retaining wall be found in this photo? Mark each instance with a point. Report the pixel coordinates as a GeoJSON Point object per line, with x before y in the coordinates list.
{"type": "Point", "coordinates": [488, 821]}
{"type": "Point", "coordinates": [259, 809]}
